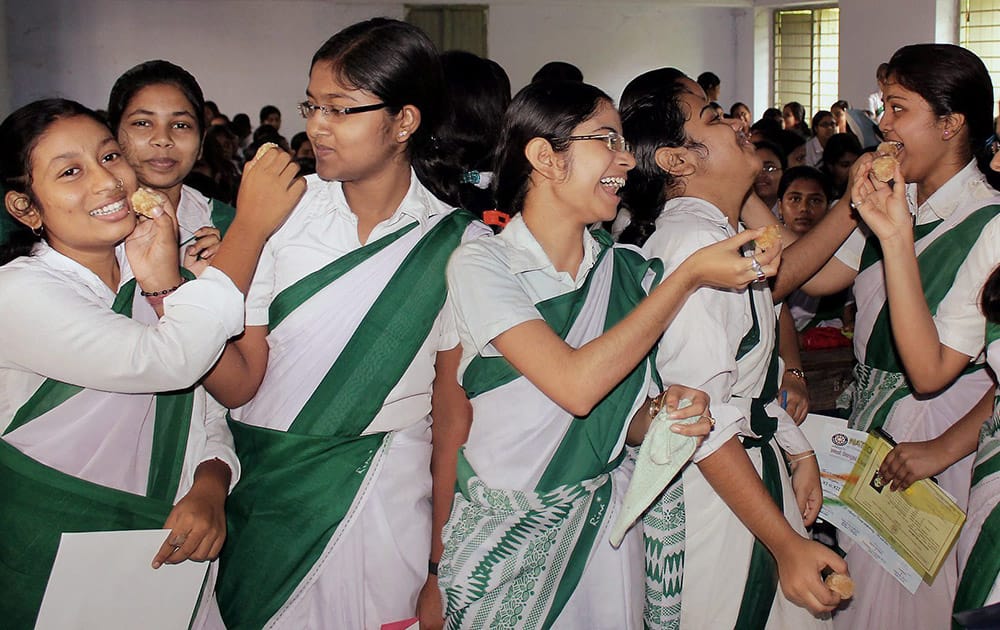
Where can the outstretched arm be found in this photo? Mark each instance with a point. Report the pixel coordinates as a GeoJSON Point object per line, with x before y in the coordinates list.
{"type": "Point", "coordinates": [579, 378]}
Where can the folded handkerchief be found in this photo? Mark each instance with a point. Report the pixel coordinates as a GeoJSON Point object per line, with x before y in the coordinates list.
{"type": "Point", "coordinates": [661, 456]}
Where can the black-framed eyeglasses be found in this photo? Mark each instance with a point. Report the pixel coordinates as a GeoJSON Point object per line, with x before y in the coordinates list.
{"type": "Point", "coordinates": [614, 140]}
{"type": "Point", "coordinates": [307, 109]}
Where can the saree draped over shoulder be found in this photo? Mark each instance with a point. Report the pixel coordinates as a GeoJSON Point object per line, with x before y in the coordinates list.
{"type": "Point", "coordinates": [535, 553]}
{"type": "Point", "coordinates": [310, 460]}
{"type": "Point", "coordinates": [80, 460]}
{"type": "Point", "coordinates": [881, 397]}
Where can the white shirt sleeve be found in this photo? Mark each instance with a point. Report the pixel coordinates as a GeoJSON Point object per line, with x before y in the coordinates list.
{"type": "Point", "coordinates": [262, 287]}
{"type": "Point", "coordinates": [691, 353]}
{"type": "Point", "coordinates": [695, 349]}
{"type": "Point", "coordinates": [788, 435]}
{"type": "Point", "coordinates": [218, 439]}
{"type": "Point", "coordinates": [959, 318]}
{"type": "Point", "coordinates": [52, 330]}
{"type": "Point", "coordinates": [486, 298]}
{"type": "Point", "coordinates": [850, 252]}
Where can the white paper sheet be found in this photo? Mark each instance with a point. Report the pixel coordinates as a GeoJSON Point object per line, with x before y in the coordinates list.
{"type": "Point", "coordinates": [837, 449]}
{"type": "Point", "coordinates": [105, 580]}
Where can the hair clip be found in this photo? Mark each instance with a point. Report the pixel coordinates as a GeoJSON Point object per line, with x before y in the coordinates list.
{"type": "Point", "coordinates": [496, 217]}
{"type": "Point", "coordinates": [481, 180]}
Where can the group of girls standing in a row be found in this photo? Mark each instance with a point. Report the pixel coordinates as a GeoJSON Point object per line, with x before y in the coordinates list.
{"type": "Point", "coordinates": [429, 420]}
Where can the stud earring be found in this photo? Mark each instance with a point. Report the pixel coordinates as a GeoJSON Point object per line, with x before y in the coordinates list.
{"type": "Point", "coordinates": [120, 185]}
{"type": "Point", "coordinates": [402, 134]}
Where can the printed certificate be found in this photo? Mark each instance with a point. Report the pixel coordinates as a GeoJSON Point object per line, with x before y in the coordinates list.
{"type": "Point", "coordinates": [921, 523]}
{"type": "Point", "coordinates": [837, 449]}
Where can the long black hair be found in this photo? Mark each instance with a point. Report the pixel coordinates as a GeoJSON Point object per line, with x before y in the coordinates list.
{"type": "Point", "coordinates": [478, 93]}
{"type": "Point", "coordinates": [155, 72]}
{"type": "Point", "coordinates": [650, 121]}
{"type": "Point", "coordinates": [19, 134]}
{"type": "Point", "coordinates": [399, 64]}
{"type": "Point", "coordinates": [549, 110]}
{"type": "Point", "coordinates": [951, 79]}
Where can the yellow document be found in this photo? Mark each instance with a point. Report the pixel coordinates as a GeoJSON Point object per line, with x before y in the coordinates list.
{"type": "Point", "coordinates": [921, 523]}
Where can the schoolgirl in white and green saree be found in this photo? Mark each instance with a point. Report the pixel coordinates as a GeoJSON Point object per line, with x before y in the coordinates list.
{"type": "Point", "coordinates": [556, 331]}
{"type": "Point", "coordinates": [157, 111]}
{"type": "Point", "coordinates": [939, 108]}
{"type": "Point", "coordinates": [936, 346]}
{"type": "Point", "coordinates": [694, 173]}
{"type": "Point", "coordinates": [348, 354]}
{"type": "Point", "coordinates": [102, 427]}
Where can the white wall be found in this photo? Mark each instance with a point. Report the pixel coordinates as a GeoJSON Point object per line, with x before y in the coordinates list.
{"type": "Point", "coordinates": [245, 53]}
{"type": "Point", "coordinates": [248, 53]}
{"type": "Point", "coordinates": [871, 31]}
{"type": "Point", "coordinates": [612, 43]}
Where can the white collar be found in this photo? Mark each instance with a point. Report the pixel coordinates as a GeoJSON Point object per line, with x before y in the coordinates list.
{"type": "Point", "coordinates": [418, 204]}
{"type": "Point", "coordinates": [52, 259]}
{"type": "Point", "coordinates": [526, 253]}
{"type": "Point", "coordinates": [968, 183]}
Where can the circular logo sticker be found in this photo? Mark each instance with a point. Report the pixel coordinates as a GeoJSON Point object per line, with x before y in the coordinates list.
{"type": "Point", "coordinates": [839, 439]}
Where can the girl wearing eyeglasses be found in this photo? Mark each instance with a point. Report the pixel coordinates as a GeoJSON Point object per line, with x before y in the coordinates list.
{"type": "Point", "coordinates": [156, 110]}
{"type": "Point", "coordinates": [745, 519]}
{"type": "Point", "coordinates": [556, 331]}
{"type": "Point", "coordinates": [937, 279]}
{"type": "Point", "coordinates": [348, 354]}
{"type": "Point", "coordinates": [102, 343]}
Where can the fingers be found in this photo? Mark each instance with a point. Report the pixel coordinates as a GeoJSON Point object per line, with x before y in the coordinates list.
{"type": "Point", "coordinates": [834, 561]}
{"type": "Point", "coordinates": [813, 506]}
{"type": "Point", "coordinates": [701, 428]}
{"type": "Point", "coordinates": [199, 251]}
{"type": "Point", "coordinates": [171, 549]}
{"type": "Point", "coordinates": [744, 237]}
{"type": "Point", "coordinates": [697, 401]}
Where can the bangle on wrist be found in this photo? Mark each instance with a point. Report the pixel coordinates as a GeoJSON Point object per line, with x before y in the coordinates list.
{"type": "Point", "coordinates": [796, 372]}
{"type": "Point", "coordinates": [432, 568]}
{"type": "Point", "coordinates": [793, 460]}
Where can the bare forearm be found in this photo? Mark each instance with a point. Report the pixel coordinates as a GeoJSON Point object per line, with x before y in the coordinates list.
{"type": "Point", "coordinates": [213, 477]}
{"type": "Point", "coordinates": [788, 340]}
{"type": "Point", "coordinates": [238, 373]}
{"type": "Point", "coordinates": [809, 254]}
{"type": "Point", "coordinates": [962, 438]}
{"type": "Point", "coordinates": [579, 378]}
{"type": "Point", "coordinates": [451, 414]}
{"type": "Point", "coordinates": [929, 364]}
{"type": "Point", "coordinates": [733, 476]}
{"type": "Point", "coordinates": [238, 255]}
